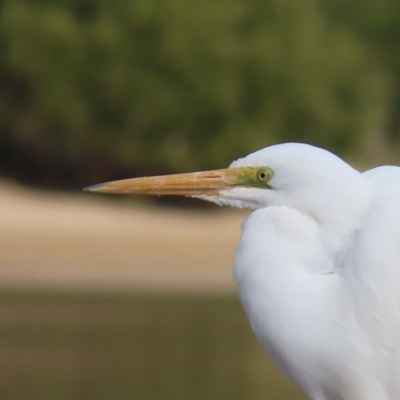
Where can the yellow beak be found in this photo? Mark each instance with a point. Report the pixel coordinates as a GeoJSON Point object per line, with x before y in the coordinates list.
{"type": "Point", "coordinates": [189, 184]}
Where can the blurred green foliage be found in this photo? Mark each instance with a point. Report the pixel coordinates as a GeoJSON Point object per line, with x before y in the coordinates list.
{"type": "Point", "coordinates": [101, 86]}
{"type": "Point", "coordinates": [76, 346]}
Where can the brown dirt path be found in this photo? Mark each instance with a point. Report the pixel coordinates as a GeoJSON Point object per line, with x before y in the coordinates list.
{"type": "Point", "coordinates": [50, 240]}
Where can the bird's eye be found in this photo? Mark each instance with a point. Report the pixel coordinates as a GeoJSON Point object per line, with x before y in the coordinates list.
{"type": "Point", "coordinates": [263, 175]}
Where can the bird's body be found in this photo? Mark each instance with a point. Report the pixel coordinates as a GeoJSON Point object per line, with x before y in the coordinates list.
{"type": "Point", "coordinates": [318, 264]}
{"type": "Point", "coordinates": [339, 333]}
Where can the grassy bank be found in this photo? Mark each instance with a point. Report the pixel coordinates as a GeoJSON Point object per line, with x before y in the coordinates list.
{"type": "Point", "coordinates": [123, 346]}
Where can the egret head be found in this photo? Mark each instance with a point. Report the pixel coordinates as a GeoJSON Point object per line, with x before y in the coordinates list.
{"type": "Point", "coordinates": [297, 175]}
{"type": "Point", "coordinates": [301, 176]}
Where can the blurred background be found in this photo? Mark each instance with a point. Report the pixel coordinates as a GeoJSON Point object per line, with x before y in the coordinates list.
{"type": "Point", "coordinates": [133, 299]}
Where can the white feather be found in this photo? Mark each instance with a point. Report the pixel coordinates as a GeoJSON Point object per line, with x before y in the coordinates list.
{"type": "Point", "coordinates": [318, 271]}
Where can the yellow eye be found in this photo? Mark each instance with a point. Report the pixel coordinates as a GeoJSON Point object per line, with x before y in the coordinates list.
{"type": "Point", "coordinates": [263, 175]}
{"type": "Point", "coordinates": [256, 177]}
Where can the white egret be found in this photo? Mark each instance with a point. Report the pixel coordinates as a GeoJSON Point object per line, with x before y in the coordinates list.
{"type": "Point", "coordinates": [318, 264]}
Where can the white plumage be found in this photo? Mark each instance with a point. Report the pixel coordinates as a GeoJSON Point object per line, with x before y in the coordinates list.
{"type": "Point", "coordinates": [318, 273]}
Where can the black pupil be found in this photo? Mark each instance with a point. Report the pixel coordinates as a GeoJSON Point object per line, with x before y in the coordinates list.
{"type": "Point", "coordinates": [262, 175]}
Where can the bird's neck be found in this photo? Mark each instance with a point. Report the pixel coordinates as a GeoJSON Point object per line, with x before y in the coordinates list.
{"type": "Point", "coordinates": [338, 237]}
{"type": "Point", "coordinates": [340, 217]}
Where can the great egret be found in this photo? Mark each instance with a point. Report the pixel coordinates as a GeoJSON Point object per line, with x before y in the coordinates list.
{"type": "Point", "coordinates": [318, 264]}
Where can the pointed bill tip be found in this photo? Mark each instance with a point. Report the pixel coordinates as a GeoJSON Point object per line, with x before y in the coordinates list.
{"type": "Point", "coordinates": [95, 188]}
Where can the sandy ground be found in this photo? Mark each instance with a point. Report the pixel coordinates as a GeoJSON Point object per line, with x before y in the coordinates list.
{"type": "Point", "coordinates": [50, 240]}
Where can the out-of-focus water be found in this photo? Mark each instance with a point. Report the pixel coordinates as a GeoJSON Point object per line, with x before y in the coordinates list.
{"type": "Point", "coordinates": [67, 346]}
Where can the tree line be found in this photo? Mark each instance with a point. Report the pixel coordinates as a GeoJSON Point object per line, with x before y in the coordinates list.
{"type": "Point", "coordinates": [98, 89]}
